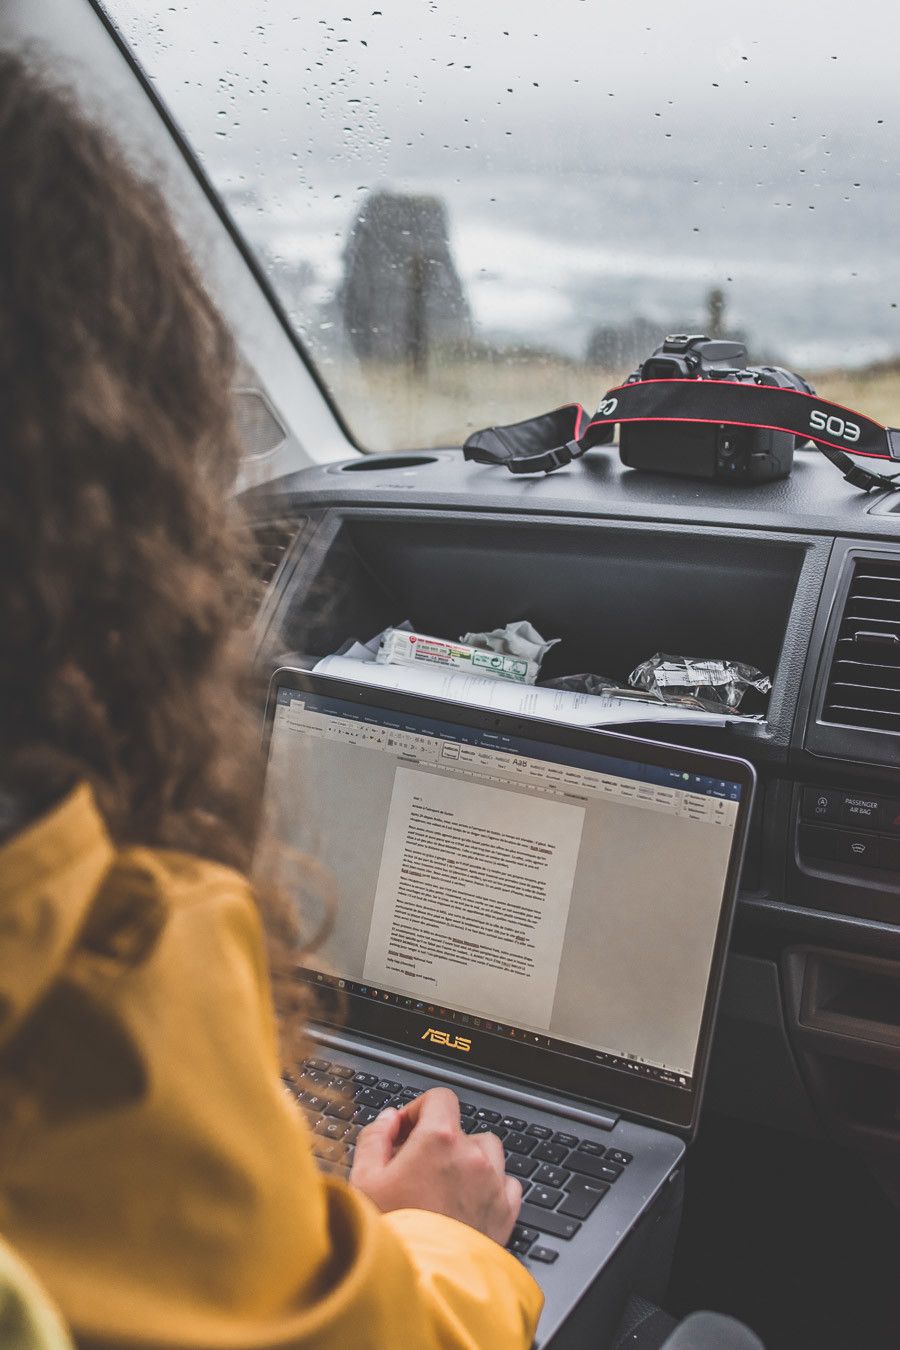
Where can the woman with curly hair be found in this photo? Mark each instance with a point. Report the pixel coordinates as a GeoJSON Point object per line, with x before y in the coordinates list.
{"type": "Point", "coordinates": [153, 1171]}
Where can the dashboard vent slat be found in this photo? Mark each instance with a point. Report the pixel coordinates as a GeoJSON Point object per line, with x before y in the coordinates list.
{"type": "Point", "coordinates": [864, 681]}
{"type": "Point", "coordinates": [273, 538]}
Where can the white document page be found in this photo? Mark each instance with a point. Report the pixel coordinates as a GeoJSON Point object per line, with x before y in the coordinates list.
{"type": "Point", "coordinates": [473, 896]}
{"type": "Point", "coordinates": [554, 705]}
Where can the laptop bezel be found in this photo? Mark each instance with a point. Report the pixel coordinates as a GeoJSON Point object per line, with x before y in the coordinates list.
{"type": "Point", "coordinates": [638, 1098]}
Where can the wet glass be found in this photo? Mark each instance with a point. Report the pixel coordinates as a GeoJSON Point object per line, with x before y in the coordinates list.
{"type": "Point", "coordinates": [474, 212]}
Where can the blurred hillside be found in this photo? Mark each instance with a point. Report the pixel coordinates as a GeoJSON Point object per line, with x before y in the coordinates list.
{"type": "Point", "coordinates": [457, 395]}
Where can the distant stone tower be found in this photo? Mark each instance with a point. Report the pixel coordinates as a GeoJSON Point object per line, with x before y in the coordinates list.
{"type": "Point", "coordinates": [715, 309]}
{"type": "Point", "coordinates": [401, 296]}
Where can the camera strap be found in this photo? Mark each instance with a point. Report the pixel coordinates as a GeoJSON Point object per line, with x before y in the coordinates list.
{"type": "Point", "coordinates": [543, 444]}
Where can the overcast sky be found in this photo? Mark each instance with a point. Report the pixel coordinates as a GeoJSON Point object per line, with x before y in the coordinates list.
{"type": "Point", "coordinates": [598, 162]}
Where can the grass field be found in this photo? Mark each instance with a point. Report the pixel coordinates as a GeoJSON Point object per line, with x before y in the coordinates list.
{"type": "Point", "coordinates": [390, 408]}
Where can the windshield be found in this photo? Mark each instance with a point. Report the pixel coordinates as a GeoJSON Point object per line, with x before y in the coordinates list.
{"type": "Point", "coordinates": [475, 212]}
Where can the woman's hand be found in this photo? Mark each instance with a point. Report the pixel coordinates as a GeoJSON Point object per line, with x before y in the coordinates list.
{"type": "Point", "coordinates": [419, 1158]}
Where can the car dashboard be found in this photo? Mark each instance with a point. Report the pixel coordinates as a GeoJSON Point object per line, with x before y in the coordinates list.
{"type": "Point", "coordinates": [800, 578]}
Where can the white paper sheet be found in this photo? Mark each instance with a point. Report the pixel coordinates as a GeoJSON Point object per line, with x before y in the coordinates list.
{"type": "Point", "coordinates": [554, 705]}
{"type": "Point", "coordinates": [473, 896]}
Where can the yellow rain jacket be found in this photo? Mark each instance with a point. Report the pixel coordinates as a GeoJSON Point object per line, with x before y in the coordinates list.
{"type": "Point", "coordinates": [153, 1170]}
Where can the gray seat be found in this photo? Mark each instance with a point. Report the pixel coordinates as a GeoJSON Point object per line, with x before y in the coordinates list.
{"type": "Point", "coordinates": [712, 1331]}
{"type": "Point", "coordinates": [644, 1326]}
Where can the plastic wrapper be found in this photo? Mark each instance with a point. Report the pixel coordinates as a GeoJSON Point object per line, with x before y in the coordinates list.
{"type": "Point", "coordinates": [399, 647]}
{"type": "Point", "coordinates": [710, 684]}
{"type": "Point", "coordinates": [520, 639]}
{"type": "Point", "coordinates": [584, 684]}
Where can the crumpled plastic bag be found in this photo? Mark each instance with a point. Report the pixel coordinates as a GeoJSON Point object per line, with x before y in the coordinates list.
{"type": "Point", "coordinates": [517, 639]}
{"type": "Point", "coordinates": [584, 684]}
{"type": "Point", "coordinates": [712, 684]}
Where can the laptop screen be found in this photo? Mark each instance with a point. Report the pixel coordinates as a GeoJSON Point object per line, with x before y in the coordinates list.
{"type": "Point", "coordinates": [506, 891]}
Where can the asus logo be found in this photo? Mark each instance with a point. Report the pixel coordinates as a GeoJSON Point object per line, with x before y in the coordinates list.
{"type": "Point", "coordinates": [443, 1038]}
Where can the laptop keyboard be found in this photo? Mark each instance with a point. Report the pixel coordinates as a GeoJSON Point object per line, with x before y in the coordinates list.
{"type": "Point", "coordinates": [563, 1177]}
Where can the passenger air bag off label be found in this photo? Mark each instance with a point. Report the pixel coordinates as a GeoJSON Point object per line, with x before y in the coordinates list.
{"type": "Point", "coordinates": [469, 912]}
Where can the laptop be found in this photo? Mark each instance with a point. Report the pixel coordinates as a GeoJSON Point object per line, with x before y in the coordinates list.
{"type": "Point", "coordinates": [532, 914]}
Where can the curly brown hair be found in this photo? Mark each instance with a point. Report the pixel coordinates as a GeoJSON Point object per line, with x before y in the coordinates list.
{"type": "Point", "coordinates": [124, 561]}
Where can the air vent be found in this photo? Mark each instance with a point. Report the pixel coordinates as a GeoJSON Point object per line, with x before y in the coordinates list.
{"type": "Point", "coordinates": [864, 683]}
{"type": "Point", "coordinates": [272, 540]}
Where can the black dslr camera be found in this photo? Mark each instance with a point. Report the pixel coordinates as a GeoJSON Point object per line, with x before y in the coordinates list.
{"type": "Point", "coordinates": [733, 453]}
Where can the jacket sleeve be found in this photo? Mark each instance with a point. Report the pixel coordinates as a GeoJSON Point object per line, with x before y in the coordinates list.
{"type": "Point", "coordinates": [410, 1277]}
{"type": "Point", "coordinates": [192, 1214]}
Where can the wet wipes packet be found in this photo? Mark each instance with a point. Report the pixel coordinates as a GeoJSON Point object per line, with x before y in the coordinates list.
{"type": "Point", "coordinates": [399, 647]}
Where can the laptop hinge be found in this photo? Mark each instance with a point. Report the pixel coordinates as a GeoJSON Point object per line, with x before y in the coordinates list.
{"type": "Point", "coordinates": [598, 1116]}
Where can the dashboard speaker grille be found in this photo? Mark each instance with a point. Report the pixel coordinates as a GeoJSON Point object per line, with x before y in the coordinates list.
{"type": "Point", "coordinates": [864, 681]}
{"type": "Point", "coordinates": [259, 429]}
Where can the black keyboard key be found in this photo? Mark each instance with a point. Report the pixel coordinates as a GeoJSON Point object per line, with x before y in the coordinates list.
{"type": "Point", "coordinates": [513, 1123]}
{"type": "Point", "coordinates": [588, 1146]}
{"type": "Point", "coordinates": [567, 1140]}
{"type": "Point", "coordinates": [546, 1254]}
{"type": "Point", "coordinates": [321, 1065]}
{"type": "Point", "coordinates": [467, 1124]}
{"type": "Point", "coordinates": [365, 1079]}
{"type": "Point", "coordinates": [315, 1104]}
{"type": "Point", "coordinates": [615, 1155]}
{"type": "Point", "coordinates": [545, 1221]}
{"type": "Point", "coordinates": [589, 1166]}
{"type": "Point", "coordinates": [329, 1128]}
{"type": "Point", "coordinates": [389, 1086]}
{"type": "Point", "coordinates": [583, 1198]}
{"type": "Point", "coordinates": [341, 1110]}
{"type": "Point", "coordinates": [329, 1149]}
{"type": "Point", "coordinates": [545, 1196]}
{"type": "Point", "coordinates": [486, 1127]}
{"type": "Point", "coordinates": [341, 1071]}
{"type": "Point", "coordinates": [334, 1169]}
{"type": "Point", "coordinates": [518, 1245]}
{"type": "Point", "coordinates": [608, 1172]}
{"type": "Point", "coordinates": [364, 1115]}
{"type": "Point", "coordinates": [529, 1234]}
{"type": "Point", "coordinates": [372, 1097]}
{"type": "Point", "coordinates": [550, 1153]}
{"type": "Point", "coordinates": [539, 1131]}
{"type": "Point", "coordinates": [410, 1094]}
{"type": "Point", "coordinates": [518, 1143]}
{"type": "Point", "coordinates": [492, 1117]}
{"type": "Point", "coordinates": [466, 1109]}
{"type": "Point", "coordinates": [551, 1176]}
{"type": "Point", "coordinates": [339, 1087]}
{"type": "Point", "coordinates": [519, 1166]}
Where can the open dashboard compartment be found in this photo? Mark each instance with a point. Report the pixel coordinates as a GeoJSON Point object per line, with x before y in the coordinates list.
{"type": "Point", "coordinates": [614, 593]}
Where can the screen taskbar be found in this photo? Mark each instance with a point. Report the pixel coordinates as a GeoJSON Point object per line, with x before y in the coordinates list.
{"type": "Point", "coordinates": [467, 1023]}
